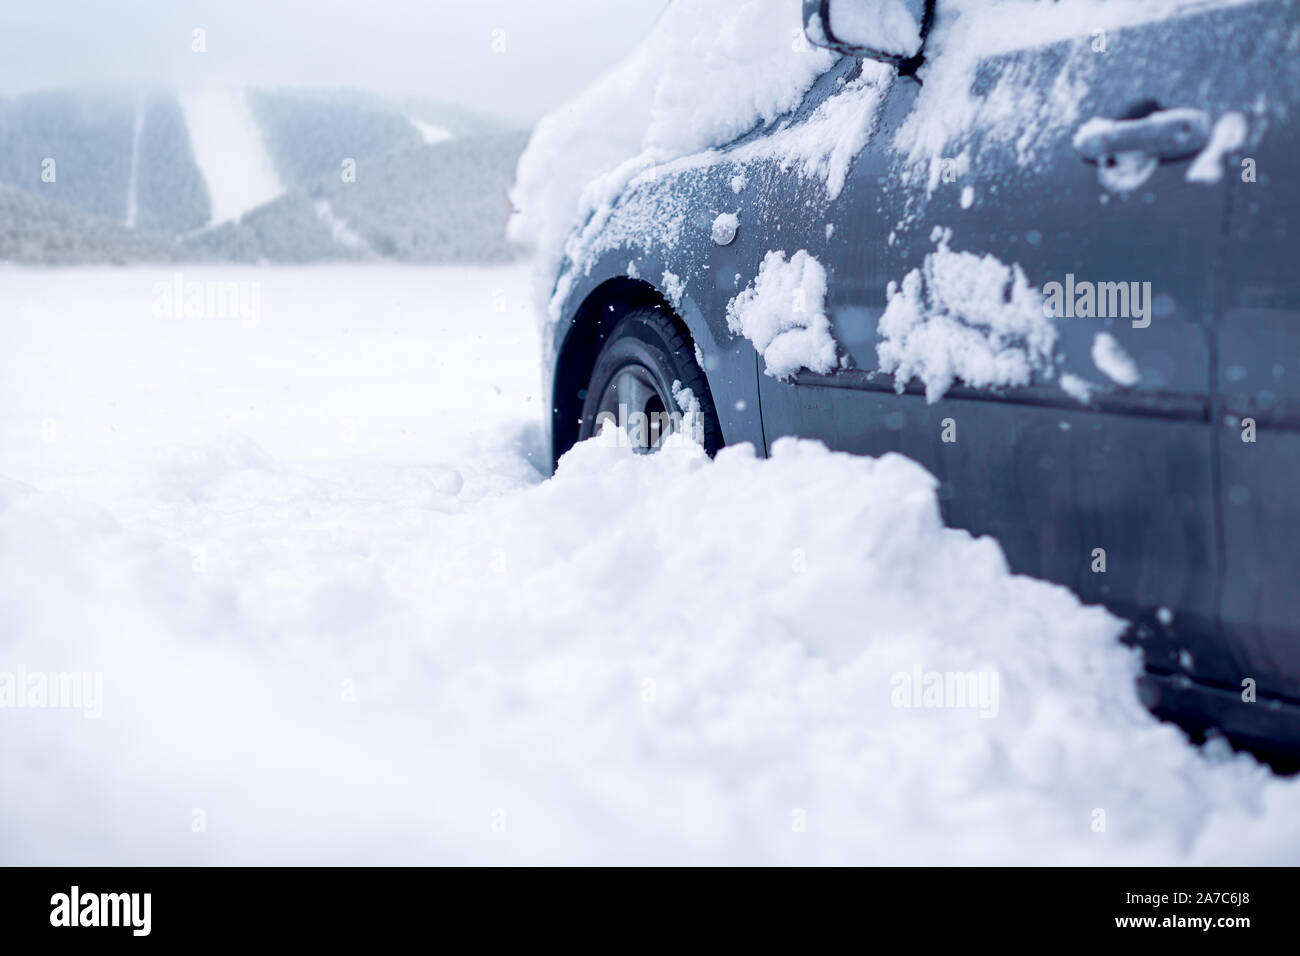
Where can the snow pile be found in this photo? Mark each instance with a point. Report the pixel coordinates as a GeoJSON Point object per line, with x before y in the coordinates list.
{"type": "Point", "coordinates": [692, 427]}
{"type": "Point", "coordinates": [1109, 356]}
{"type": "Point", "coordinates": [824, 144]}
{"type": "Point", "coordinates": [724, 228]}
{"type": "Point", "coordinates": [1078, 388]}
{"type": "Point", "coordinates": [340, 618]}
{"type": "Point", "coordinates": [783, 312]}
{"type": "Point", "coordinates": [889, 27]}
{"type": "Point", "coordinates": [1126, 172]}
{"type": "Point", "coordinates": [649, 111]}
{"type": "Point", "coordinates": [964, 317]}
{"type": "Point", "coordinates": [1229, 134]}
{"type": "Point", "coordinates": [674, 288]}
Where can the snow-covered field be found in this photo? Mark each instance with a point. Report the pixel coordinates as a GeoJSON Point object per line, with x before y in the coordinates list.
{"type": "Point", "coordinates": [340, 616]}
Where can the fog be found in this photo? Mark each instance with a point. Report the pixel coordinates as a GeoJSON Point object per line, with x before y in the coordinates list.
{"type": "Point", "coordinates": [513, 58]}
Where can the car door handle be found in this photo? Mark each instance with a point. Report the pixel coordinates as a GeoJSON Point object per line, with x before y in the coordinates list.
{"type": "Point", "coordinates": [1165, 135]}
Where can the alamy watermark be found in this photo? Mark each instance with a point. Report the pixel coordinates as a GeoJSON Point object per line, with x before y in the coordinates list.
{"type": "Point", "coordinates": [951, 690]}
{"type": "Point", "coordinates": [648, 430]}
{"type": "Point", "coordinates": [74, 908]}
{"type": "Point", "coordinates": [53, 690]}
{"type": "Point", "coordinates": [1098, 300]}
{"type": "Point", "coordinates": [181, 299]}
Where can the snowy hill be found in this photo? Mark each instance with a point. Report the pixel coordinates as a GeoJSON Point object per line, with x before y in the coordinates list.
{"type": "Point", "coordinates": [257, 175]}
{"type": "Point", "coordinates": [38, 230]}
{"type": "Point", "coordinates": [411, 204]}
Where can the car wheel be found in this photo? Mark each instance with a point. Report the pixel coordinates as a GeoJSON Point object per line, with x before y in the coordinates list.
{"type": "Point", "coordinates": [632, 383]}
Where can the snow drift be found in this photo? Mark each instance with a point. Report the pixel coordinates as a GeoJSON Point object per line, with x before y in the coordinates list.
{"type": "Point", "coordinates": [340, 615]}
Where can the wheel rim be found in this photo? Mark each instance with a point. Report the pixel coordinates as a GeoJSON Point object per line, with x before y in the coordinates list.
{"type": "Point", "coordinates": [635, 400]}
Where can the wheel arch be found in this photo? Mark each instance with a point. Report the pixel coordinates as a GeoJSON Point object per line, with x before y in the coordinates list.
{"type": "Point", "coordinates": [602, 309]}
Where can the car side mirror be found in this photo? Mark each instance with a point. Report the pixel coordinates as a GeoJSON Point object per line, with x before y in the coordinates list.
{"type": "Point", "coordinates": [892, 31]}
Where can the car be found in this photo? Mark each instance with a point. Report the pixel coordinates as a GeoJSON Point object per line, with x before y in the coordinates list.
{"type": "Point", "coordinates": [1055, 267]}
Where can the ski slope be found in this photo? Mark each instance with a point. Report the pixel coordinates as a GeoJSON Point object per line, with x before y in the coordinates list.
{"type": "Point", "coordinates": [229, 152]}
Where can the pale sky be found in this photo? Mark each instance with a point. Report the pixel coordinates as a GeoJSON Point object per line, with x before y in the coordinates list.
{"type": "Point", "coordinates": [437, 48]}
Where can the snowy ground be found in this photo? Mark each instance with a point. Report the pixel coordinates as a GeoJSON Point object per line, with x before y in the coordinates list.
{"type": "Point", "coordinates": [341, 617]}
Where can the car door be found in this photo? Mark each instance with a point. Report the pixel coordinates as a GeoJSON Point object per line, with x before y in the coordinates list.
{"type": "Point", "coordinates": [1093, 466]}
{"type": "Point", "coordinates": [1257, 413]}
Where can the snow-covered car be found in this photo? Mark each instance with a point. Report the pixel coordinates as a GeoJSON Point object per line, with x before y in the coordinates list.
{"type": "Point", "coordinates": [1047, 250]}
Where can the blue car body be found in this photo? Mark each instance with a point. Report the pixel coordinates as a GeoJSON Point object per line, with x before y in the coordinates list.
{"type": "Point", "coordinates": [1198, 525]}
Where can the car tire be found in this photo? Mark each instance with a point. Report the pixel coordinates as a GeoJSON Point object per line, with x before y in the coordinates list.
{"type": "Point", "coordinates": [647, 352]}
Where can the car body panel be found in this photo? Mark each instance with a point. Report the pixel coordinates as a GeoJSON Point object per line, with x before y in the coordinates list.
{"type": "Point", "coordinates": [1198, 528]}
{"type": "Point", "coordinates": [1130, 472]}
{"type": "Point", "coordinates": [1258, 360]}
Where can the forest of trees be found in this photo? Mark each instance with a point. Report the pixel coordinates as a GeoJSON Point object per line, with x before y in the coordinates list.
{"type": "Point", "coordinates": [399, 197]}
